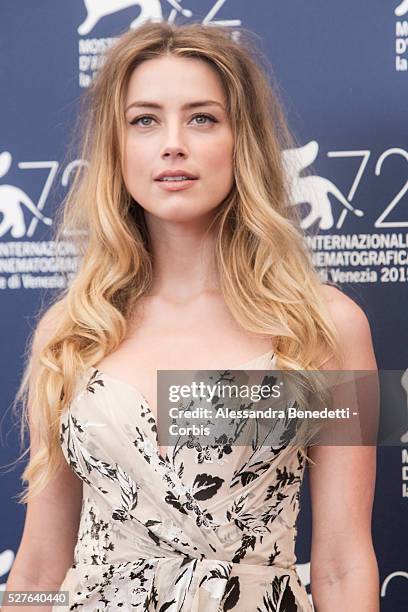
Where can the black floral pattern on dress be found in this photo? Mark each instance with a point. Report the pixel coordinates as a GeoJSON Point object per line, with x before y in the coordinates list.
{"type": "Point", "coordinates": [162, 533]}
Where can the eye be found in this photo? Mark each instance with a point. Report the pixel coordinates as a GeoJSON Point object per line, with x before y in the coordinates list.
{"type": "Point", "coordinates": [210, 117]}
{"type": "Point", "coordinates": [137, 119]}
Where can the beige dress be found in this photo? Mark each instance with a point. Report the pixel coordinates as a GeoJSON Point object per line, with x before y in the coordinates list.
{"type": "Point", "coordinates": [206, 529]}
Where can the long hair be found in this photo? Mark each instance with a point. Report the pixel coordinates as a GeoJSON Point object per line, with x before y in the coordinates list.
{"type": "Point", "coordinates": [266, 273]}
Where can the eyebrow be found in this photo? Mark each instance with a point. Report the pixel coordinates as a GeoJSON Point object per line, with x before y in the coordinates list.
{"type": "Point", "coordinates": [186, 106]}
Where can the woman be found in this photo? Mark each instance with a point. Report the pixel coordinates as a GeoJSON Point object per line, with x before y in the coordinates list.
{"type": "Point", "coordinates": [208, 270]}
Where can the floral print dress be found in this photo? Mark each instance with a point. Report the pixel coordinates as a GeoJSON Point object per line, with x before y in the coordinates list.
{"type": "Point", "coordinates": [203, 529]}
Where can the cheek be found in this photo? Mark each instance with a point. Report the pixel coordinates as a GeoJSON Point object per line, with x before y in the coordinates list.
{"type": "Point", "coordinates": [133, 155]}
{"type": "Point", "coordinates": [136, 165]}
{"type": "Point", "coordinates": [220, 158]}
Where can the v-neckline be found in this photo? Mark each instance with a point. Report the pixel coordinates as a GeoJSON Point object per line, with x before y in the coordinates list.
{"type": "Point", "coordinates": [136, 391]}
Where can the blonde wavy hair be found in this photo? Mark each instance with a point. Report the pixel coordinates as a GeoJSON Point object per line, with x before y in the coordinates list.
{"type": "Point", "coordinates": [267, 277]}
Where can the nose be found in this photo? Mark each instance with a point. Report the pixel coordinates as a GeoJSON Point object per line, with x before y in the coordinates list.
{"type": "Point", "coordinates": [173, 152]}
{"type": "Point", "coordinates": [174, 144]}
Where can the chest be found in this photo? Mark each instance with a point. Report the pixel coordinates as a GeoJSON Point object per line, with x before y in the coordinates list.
{"type": "Point", "coordinates": [200, 335]}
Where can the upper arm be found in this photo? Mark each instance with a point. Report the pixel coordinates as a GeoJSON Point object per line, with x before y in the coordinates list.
{"type": "Point", "coordinates": [343, 480]}
{"type": "Point", "coordinates": [52, 516]}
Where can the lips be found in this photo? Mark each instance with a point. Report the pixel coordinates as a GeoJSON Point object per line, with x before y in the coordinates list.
{"type": "Point", "coordinates": [174, 173]}
{"type": "Point", "coordinates": [175, 185]}
{"type": "Point", "coordinates": [174, 179]}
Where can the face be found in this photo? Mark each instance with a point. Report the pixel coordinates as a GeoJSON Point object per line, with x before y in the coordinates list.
{"type": "Point", "coordinates": [167, 130]}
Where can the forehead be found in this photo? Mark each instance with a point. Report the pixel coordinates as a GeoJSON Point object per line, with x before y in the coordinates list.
{"type": "Point", "coordinates": [169, 79]}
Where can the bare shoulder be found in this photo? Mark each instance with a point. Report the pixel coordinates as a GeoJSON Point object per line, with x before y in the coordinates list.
{"type": "Point", "coordinates": [353, 326]}
{"type": "Point", "coordinates": [338, 300]}
{"type": "Point", "coordinates": [346, 313]}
